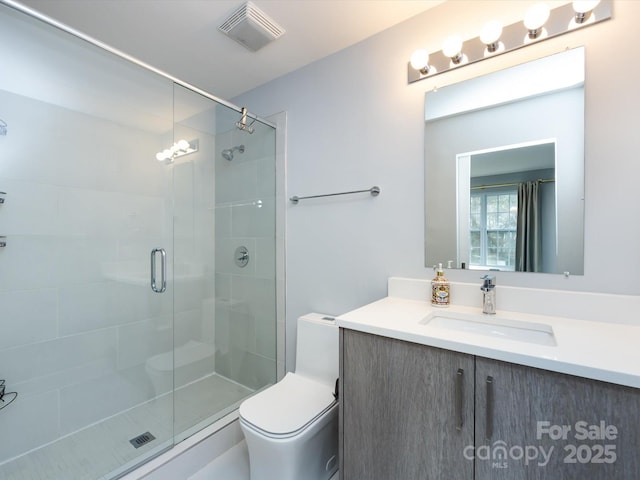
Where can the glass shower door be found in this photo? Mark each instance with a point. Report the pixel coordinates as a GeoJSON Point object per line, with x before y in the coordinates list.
{"type": "Point", "coordinates": [84, 340]}
{"type": "Point", "coordinates": [224, 240]}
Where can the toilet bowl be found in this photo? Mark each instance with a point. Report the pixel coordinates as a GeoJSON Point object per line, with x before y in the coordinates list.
{"type": "Point", "coordinates": [291, 428]}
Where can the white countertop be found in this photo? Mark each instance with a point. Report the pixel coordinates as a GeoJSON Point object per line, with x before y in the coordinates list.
{"type": "Point", "coordinates": [603, 351]}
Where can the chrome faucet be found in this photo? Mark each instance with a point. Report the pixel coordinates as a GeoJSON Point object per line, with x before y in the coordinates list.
{"type": "Point", "coordinates": [488, 295]}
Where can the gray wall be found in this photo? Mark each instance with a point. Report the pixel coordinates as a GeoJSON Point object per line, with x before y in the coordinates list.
{"type": "Point", "coordinates": [354, 122]}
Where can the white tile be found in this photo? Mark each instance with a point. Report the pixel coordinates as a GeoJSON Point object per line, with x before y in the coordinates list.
{"type": "Point", "coordinates": [27, 423]}
{"type": "Point", "coordinates": [41, 367]}
{"type": "Point", "coordinates": [223, 286]}
{"type": "Point", "coordinates": [85, 212]}
{"type": "Point", "coordinates": [189, 292]}
{"type": "Point", "coordinates": [87, 307]}
{"type": "Point", "coordinates": [222, 220]}
{"type": "Point", "coordinates": [266, 257]}
{"type": "Point", "coordinates": [23, 157]}
{"type": "Point", "coordinates": [257, 293]}
{"type": "Point", "coordinates": [28, 317]}
{"type": "Point", "coordinates": [235, 181]}
{"type": "Point", "coordinates": [139, 341]}
{"type": "Point", "coordinates": [89, 402]}
{"type": "Point", "coordinates": [188, 326]}
{"type": "Point", "coordinates": [266, 336]}
{"type": "Point", "coordinates": [81, 259]}
{"type": "Point", "coordinates": [30, 208]}
{"type": "Point", "coordinates": [141, 216]}
{"type": "Point", "coordinates": [208, 319]}
{"type": "Point", "coordinates": [266, 176]}
{"type": "Point", "coordinates": [29, 262]}
{"type": "Point", "coordinates": [252, 220]}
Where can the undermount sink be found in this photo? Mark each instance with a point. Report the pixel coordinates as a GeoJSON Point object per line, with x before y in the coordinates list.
{"type": "Point", "coordinates": [493, 326]}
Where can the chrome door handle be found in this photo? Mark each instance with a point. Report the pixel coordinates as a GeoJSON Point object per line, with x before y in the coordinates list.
{"type": "Point", "coordinates": [459, 399]}
{"type": "Point", "coordinates": [490, 400]}
{"type": "Point", "coordinates": [163, 270]}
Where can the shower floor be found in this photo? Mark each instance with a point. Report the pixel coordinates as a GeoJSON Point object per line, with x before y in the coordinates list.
{"type": "Point", "coordinates": [95, 451]}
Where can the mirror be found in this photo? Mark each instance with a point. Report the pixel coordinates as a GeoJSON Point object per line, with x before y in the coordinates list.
{"type": "Point", "coordinates": [504, 169]}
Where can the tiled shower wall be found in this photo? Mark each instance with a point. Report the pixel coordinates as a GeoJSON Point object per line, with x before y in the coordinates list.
{"type": "Point", "coordinates": [86, 200]}
{"type": "Point", "coordinates": [246, 297]}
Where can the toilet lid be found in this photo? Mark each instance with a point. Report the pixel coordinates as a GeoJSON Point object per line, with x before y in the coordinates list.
{"type": "Point", "coordinates": [288, 406]}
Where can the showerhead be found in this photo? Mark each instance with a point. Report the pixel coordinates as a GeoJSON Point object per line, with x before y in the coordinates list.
{"type": "Point", "coordinates": [227, 154]}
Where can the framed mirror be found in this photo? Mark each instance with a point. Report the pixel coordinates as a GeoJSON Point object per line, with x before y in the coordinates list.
{"type": "Point", "coordinates": [504, 169]}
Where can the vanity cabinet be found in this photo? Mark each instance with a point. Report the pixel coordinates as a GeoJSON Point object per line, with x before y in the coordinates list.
{"type": "Point", "coordinates": [406, 411]}
{"type": "Point", "coordinates": [410, 411]}
{"type": "Point", "coordinates": [562, 426]}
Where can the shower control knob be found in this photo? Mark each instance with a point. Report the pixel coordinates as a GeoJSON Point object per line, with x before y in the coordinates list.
{"type": "Point", "coordinates": [241, 256]}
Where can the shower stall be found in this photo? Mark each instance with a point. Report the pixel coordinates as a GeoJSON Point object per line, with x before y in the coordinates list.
{"type": "Point", "coordinates": [137, 256]}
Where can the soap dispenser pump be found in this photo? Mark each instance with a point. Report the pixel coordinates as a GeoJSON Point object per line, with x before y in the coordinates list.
{"type": "Point", "coordinates": [440, 289]}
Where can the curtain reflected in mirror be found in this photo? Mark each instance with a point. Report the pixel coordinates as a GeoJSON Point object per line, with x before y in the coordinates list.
{"type": "Point", "coordinates": [529, 231]}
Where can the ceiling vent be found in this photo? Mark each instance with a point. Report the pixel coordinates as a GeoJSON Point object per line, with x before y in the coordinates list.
{"type": "Point", "coordinates": [251, 27]}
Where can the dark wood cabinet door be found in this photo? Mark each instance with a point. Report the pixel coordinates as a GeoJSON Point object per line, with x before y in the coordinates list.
{"type": "Point", "coordinates": [534, 424]}
{"type": "Point", "coordinates": [406, 410]}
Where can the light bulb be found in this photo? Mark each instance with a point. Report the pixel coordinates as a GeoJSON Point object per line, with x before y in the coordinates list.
{"type": "Point", "coordinates": [420, 61]}
{"type": "Point", "coordinates": [167, 153]}
{"type": "Point", "coordinates": [583, 9]}
{"type": "Point", "coordinates": [491, 32]}
{"type": "Point", "coordinates": [183, 145]}
{"type": "Point", "coordinates": [452, 48]}
{"type": "Point", "coordinates": [160, 156]}
{"type": "Point", "coordinates": [490, 36]}
{"type": "Point", "coordinates": [585, 6]}
{"type": "Point", "coordinates": [536, 17]}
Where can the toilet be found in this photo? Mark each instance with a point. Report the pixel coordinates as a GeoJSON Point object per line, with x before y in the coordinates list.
{"type": "Point", "coordinates": [291, 428]}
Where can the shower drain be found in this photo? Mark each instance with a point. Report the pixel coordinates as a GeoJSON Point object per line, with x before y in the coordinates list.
{"type": "Point", "coordinates": [141, 439]}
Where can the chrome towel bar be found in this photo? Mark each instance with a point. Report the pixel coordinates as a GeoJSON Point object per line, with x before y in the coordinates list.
{"type": "Point", "coordinates": [374, 191]}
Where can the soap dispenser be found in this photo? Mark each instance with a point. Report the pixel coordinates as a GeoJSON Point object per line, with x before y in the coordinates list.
{"type": "Point", "coordinates": [440, 289]}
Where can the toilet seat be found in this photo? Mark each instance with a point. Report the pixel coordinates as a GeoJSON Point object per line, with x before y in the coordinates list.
{"type": "Point", "coordinates": [288, 407]}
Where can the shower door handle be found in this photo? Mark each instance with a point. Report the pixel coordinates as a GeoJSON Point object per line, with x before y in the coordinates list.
{"type": "Point", "coordinates": [163, 270]}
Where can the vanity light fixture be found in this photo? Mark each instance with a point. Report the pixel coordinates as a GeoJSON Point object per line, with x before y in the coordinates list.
{"type": "Point", "coordinates": [534, 21]}
{"type": "Point", "coordinates": [178, 149]}
{"type": "Point", "coordinates": [490, 36]}
{"type": "Point", "coordinates": [584, 10]}
{"type": "Point", "coordinates": [540, 22]}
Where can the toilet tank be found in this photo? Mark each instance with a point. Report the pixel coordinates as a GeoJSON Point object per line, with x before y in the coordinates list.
{"type": "Point", "coordinates": [317, 348]}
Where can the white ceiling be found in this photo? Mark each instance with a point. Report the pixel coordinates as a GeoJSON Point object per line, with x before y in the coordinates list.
{"type": "Point", "coordinates": [181, 37]}
{"type": "Point", "coordinates": [514, 159]}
